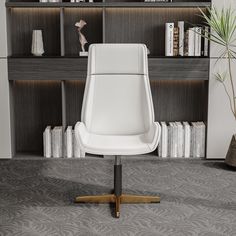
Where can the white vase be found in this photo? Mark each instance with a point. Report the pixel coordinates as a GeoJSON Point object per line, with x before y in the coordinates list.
{"type": "Point", "coordinates": [37, 43]}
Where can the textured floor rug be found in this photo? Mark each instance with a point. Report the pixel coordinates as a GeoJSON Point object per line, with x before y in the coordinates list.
{"type": "Point", "coordinates": [197, 198]}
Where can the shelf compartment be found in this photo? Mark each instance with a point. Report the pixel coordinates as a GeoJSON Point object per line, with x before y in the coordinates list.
{"type": "Point", "coordinates": [36, 104]}
{"type": "Point", "coordinates": [136, 25]}
{"type": "Point", "coordinates": [92, 31]}
{"type": "Point", "coordinates": [180, 100]}
{"type": "Point", "coordinates": [76, 68]}
{"type": "Point", "coordinates": [109, 4]}
{"type": "Point", "coordinates": [183, 100]}
{"type": "Point", "coordinates": [74, 91]}
{"type": "Point", "coordinates": [25, 20]}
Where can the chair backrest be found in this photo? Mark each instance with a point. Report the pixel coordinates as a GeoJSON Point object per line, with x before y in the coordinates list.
{"type": "Point", "coordinates": [117, 98]}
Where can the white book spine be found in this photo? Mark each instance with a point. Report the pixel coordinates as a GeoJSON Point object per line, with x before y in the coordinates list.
{"type": "Point", "coordinates": [175, 139]}
{"type": "Point", "coordinates": [179, 139]}
{"type": "Point", "coordinates": [192, 148]}
{"type": "Point", "coordinates": [181, 38]}
{"type": "Point", "coordinates": [165, 141]}
{"type": "Point", "coordinates": [54, 154]}
{"type": "Point", "coordinates": [198, 141]}
{"type": "Point", "coordinates": [187, 140]}
{"type": "Point", "coordinates": [69, 142]}
{"type": "Point", "coordinates": [47, 143]}
{"type": "Point", "coordinates": [198, 41]}
{"type": "Point", "coordinates": [169, 39]}
{"type": "Point", "coordinates": [170, 140]}
{"type": "Point", "coordinates": [206, 42]}
{"type": "Point", "coordinates": [191, 42]}
{"type": "Point", "coordinates": [203, 139]}
{"type": "Point", "coordinates": [76, 146]}
{"type": "Point", "coordinates": [170, 143]}
{"type": "Point", "coordinates": [57, 142]}
{"type": "Point", "coordinates": [160, 143]}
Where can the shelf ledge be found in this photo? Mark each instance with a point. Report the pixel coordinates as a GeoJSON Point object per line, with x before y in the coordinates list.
{"type": "Point", "coordinates": [107, 4]}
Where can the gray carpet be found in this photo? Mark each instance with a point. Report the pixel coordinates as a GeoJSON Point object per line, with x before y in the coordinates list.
{"type": "Point", "coordinates": [36, 198]}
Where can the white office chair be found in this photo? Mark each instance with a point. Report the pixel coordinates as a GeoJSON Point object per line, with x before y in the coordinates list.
{"type": "Point", "coordinates": [117, 113]}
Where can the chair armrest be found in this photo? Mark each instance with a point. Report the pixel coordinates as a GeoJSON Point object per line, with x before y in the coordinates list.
{"type": "Point", "coordinates": [153, 135]}
{"type": "Point", "coordinates": [81, 134]}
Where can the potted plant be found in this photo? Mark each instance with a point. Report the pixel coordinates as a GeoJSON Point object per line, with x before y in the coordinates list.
{"type": "Point", "coordinates": [223, 33]}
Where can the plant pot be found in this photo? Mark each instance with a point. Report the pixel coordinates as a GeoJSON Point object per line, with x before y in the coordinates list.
{"type": "Point", "coordinates": [231, 154]}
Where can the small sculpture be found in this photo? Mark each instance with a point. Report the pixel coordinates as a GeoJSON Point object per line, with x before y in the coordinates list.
{"type": "Point", "coordinates": [82, 38]}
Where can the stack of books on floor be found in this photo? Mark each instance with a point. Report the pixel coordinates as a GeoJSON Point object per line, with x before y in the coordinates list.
{"type": "Point", "coordinates": [190, 42]}
{"type": "Point", "coordinates": [182, 140]}
{"type": "Point", "coordinates": [55, 146]}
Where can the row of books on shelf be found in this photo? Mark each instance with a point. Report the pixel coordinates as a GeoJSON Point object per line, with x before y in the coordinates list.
{"type": "Point", "coordinates": [178, 140]}
{"type": "Point", "coordinates": [192, 42]}
{"type": "Point", "coordinates": [182, 140]}
{"type": "Point", "coordinates": [53, 145]}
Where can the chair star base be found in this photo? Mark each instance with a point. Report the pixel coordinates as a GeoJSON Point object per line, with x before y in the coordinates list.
{"type": "Point", "coordinates": [112, 198]}
{"type": "Point", "coordinates": [117, 198]}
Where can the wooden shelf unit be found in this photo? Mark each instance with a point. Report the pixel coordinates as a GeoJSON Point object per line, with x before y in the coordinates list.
{"type": "Point", "coordinates": [48, 90]}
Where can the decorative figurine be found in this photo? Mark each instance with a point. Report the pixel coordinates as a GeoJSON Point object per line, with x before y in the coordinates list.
{"type": "Point", "coordinates": [37, 48]}
{"type": "Point", "coordinates": [82, 38]}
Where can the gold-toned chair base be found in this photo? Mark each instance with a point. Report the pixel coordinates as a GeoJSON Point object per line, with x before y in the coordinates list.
{"type": "Point", "coordinates": [111, 198]}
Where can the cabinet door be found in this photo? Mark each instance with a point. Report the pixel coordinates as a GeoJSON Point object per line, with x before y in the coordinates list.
{"type": "Point", "coordinates": [216, 50]}
{"type": "Point", "coordinates": [5, 128]}
{"type": "Point", "coordinates": [221, 123]}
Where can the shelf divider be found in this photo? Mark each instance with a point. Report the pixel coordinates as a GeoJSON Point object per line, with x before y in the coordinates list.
{"type": "Point", "coordinates": [62, 32]}
{"type": "Point", "coordinates": [63, 102]}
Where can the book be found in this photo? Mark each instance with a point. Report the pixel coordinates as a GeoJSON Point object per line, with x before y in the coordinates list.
{"type": "Point", "coordinates": [180, 139]}
{"type": "Point", "coordinates": [170, 139]}
{"type": "Point", "coordinates": [197, 140]}
{"type": "Point", "coordinates": [163, 146]}
{"type": "Point", "coordinates": [202, 138]}
{"type": "Point", "coordinates": [175, 140]}
{"type": "Point", "coordinates": [181, 37]}
{"type": "Point", "coordinates": [173, 136]}
{"type": "Point", "coordinates": [186, 40]}
{"type": "Point", "coordinates": [187, 139]}
{"type": "Point", "coordinates": [169, 39]}
{"type": "Point", "coordinates": [164, 140]}
{"type": "Point", "coordinates": [68, 142]}
{"type": "Point", "coordinates": [197, 41]}
{"type": "Point", "coordinates": [57, 142]}
{"type": "Point", "coordinates": [206, 42]}
{"type": "Point", "coordinates": [47, 142]}
{"type": "Point", "coordinates": [76, 146]}
{"type": "Point", "coordinates": [159, 151]}
{"type": "Point", "coordinates": [176, 42]}
{"type": "Point", "coordinates": [191, 42]}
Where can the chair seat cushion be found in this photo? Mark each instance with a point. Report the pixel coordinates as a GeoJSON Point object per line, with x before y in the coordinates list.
{"type": "Point", "coordinates": [117, 144]}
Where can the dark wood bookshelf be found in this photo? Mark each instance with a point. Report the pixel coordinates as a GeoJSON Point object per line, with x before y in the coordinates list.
{"type": "Point", "coordinates": [48, 90]}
